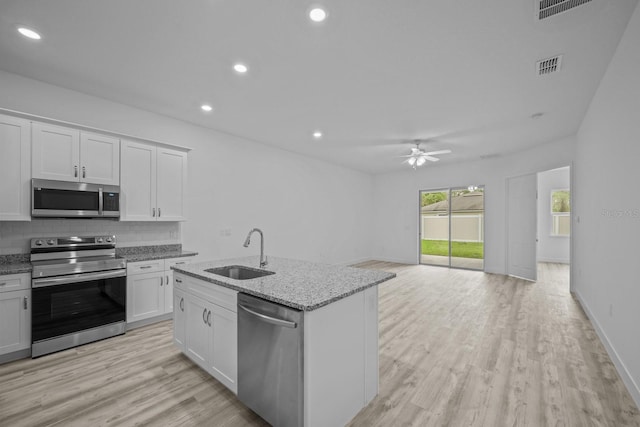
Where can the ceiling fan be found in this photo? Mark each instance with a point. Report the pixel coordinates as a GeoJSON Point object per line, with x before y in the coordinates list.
{"type": "Point", "coordinates": [418, 157]}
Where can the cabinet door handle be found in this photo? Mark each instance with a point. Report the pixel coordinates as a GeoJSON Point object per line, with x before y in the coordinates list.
{"type": "Point", "coordinates": [181, 304]}
{"type": "Point", "coordinates": [167, 280]}
{"type": "Point", "coordinates": [204, 316]}
{"type": "Point", "coordinates": [84, 172]}
{"type": "Point", "coordinates": [161, 280]}
{"type": "Point", "coordinates": [159, 212]}
{"type": "Point", "coordinates": [154, 212]}
{"type": "Point", "coordinates": [209, 318]}
{"type": "Point", "coordinates": [75, 171]}
{"type": "Point", "coordinates": [25, 303]}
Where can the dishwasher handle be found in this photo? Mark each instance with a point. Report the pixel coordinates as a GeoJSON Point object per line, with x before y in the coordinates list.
{"type": "Point", "coordinates": [269, 319]}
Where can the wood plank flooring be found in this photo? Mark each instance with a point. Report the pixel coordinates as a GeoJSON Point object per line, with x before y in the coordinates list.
{"type": "Point", "coordinates": [457, 348]}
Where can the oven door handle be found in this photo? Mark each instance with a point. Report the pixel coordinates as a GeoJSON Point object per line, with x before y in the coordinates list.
{"type": "Point", "coordinates": [76, 278]}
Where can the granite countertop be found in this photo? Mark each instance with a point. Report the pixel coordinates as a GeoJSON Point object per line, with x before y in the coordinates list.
{"type": "Point", "coordinates": [14, 264]}
{"type": "Point", "coordinates": [147, 256]}
{"type": "Point", "coordinates": [19, 263]}
{"type": "Point", "coordinates": [299, 284]}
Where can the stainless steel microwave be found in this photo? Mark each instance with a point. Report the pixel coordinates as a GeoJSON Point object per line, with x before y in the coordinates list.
{"type": "Point", "coordinates": [61, 199]}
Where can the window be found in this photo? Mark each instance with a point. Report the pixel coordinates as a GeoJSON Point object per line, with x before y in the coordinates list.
{"type": "Point", "coordinates": [560, 212]}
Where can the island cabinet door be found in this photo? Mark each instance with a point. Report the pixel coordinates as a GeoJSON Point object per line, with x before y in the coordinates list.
{"type": "Point", "coordinates": [224, 351]}
{"type": "Point", "coordinates": [199, 336]}
{"type": "Point", "coordinates": [179, 319]}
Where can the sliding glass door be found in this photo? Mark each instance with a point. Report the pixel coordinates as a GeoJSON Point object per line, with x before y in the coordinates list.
{"type": "Point", "coordinates": [452, 227]}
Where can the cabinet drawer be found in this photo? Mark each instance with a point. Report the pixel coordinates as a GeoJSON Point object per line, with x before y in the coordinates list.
{"type": "Point", "coordinates": [211, 292]}
{"type": "Point", "coordinates": [145, 267]}
{"type": "Point", "coordinates": [168, 263]}
{"type": "Point", "coordinates": [15, 282]}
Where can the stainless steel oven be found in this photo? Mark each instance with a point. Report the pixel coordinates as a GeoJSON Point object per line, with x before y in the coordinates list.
{"type": "Point", "coordinates": [78, 290]}
{"type": "Point", "coordinates": [63, 199]}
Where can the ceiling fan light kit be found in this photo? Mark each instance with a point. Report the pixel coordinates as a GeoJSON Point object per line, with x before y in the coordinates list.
{"type": "Point", "coordinates": [418, 157]}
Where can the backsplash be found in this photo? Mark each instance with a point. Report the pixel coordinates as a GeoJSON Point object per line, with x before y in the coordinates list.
{"type": "Point", "coordinates": [15, 236]}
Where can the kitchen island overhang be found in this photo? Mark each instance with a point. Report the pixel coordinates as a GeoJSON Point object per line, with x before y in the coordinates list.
{"type": "Point", "coordinates": [340, 346]}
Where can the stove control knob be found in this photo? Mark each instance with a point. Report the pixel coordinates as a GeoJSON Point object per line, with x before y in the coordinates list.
{"type": "Point", "coordinates": [51, 242]}
{"type": "Point", "coordinates": [109, 240]}
{"type": "Point", "coordinates": [39, 243]}
{"type": "Point", "coordinates": [100, 240]}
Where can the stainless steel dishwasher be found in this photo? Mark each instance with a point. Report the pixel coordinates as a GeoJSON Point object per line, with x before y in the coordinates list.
{"type": "Point", "coordinates": [270, 350]}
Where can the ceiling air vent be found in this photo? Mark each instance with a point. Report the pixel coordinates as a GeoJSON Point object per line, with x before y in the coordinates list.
{"type": "Point", "coordinates": [549, 65]}
{"type": "Point", "coordinates": [547, 8]}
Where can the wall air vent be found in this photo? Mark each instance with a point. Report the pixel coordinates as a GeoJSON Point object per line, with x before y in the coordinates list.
{"type": "Point", "coordinates": [547, 8]}
{"type": "Point", "coordinates": [549, 65]}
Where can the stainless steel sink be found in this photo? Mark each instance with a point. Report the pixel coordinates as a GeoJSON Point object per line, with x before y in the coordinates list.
{"type": "Point", "coordinates": [239, 272]}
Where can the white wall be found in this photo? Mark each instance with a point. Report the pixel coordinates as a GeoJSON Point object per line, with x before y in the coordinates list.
{"type": "Point", "coordinates": [307, 208]}
{"type": "Point", "coordinates": [397, 199]}
{"type": "Point", "coordinates": [551, 248]}
{"type": "Point", "coordinates": [608, 207]}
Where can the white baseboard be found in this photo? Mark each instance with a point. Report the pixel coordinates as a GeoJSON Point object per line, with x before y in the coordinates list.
{"type": "Point", "coordinates": [395, 260]}
{"type": "Point", "coordinates": [628, 380]}
{"type": "Point", "coordinates": [556, 260]}
{"type": "Point", "coordinates": [356, 261]}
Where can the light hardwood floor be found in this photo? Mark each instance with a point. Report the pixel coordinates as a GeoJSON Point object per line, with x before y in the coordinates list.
{"type": "Point", "coordinates": [457, 348]}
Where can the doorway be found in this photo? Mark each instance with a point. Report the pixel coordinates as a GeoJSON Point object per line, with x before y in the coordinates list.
{"type": "Point", "coordinates": [539, 223]}
{"type": "Point", "coordinates": [452, 227]}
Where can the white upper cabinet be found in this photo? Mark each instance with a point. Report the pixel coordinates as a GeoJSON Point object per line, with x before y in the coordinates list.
{"type": "Point", "coordinates": [66, 154]}
{"type": "Point", "coordinates": [15, 169]}
{"type": "Point", "coordinates": [172, 180]}
{"type": "Point", "coordinates": [137, 181]}
{"type": "Point", "coordinates": [56, 152]}
{"type": "Point", "coordinates": [153, 182]}
{"type": "Point", "coordinates": [99, 159]}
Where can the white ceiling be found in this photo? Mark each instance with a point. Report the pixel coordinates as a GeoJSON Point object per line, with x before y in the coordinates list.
{"type": "Point", "coordinates": [374, 74]}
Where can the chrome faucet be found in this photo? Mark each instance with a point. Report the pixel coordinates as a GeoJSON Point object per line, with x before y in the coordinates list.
{"type": "Point", "coordinates": [263, 258]}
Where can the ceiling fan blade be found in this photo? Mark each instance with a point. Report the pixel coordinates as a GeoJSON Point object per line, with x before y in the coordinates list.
{"type": "Point", "coordinates": [434, 153]}
{"type": "Point", "coordinates": [433, 159]}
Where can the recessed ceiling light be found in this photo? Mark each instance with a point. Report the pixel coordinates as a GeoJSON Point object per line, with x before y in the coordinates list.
{"type": "Point", "coordinates": [206, 108]}
{"type": "Point", "coordinates": [317, 134]}
{"type": "Point", "coordinates": [240, 68]}
{"type": "Point", "coordinates": [29, 33]}
{"type": "Point", "coordinates": [317, 14]}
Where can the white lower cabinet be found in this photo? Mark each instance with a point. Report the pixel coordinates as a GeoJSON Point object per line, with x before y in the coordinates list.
{"type": "Point", "coordinates": [179, 320]}
{"type": "Point", "coordinates": [15, 313]}
{"type": "Point", "coordinates": [150, 288]}
{"type": "Point", "coordinates": [207, 329]}
{"type": "Point", "coordinates": [199, 335]}
{"type": "Point", "coordinates": [224, 348]}
{"type": "Point", "coordinates": [145, 296]}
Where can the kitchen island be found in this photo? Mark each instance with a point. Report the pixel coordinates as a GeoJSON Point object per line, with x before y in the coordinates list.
{"type": "Point", "coordinates": [339, 322]}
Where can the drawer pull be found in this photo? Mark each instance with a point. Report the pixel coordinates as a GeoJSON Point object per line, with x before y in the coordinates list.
{"type": "Point", "coordinates": [3, 283]}
{"type": "Point", "coordinates": [146, 266]}
{"type": "Point", "coordinates": [178, 280]}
